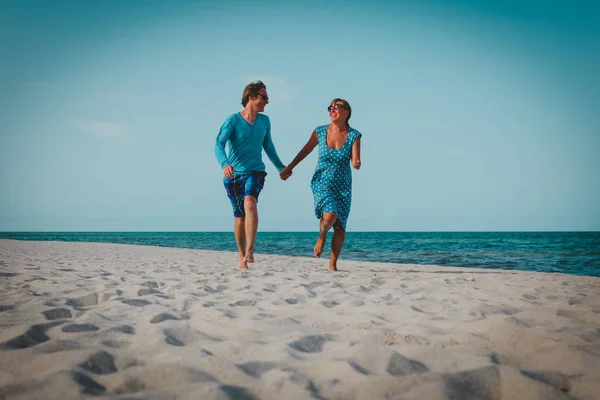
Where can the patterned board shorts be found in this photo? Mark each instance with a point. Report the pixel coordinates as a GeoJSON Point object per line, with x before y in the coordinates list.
{"type": "Point", "coordinates": [241, 186]}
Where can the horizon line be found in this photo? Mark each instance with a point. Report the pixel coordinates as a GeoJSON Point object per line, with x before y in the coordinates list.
{"type": "Point", "coordinates": [312, 231]}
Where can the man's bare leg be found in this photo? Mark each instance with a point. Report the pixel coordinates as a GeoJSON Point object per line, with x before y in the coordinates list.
{"type": "Point", "coordinates": [337, 242]}
{"type": "Point", "coordinates": [327, 221]}
{"type": "Point", "coordinates": [239, 229]}
{"type": "Point", "coordinates": [251, 210]}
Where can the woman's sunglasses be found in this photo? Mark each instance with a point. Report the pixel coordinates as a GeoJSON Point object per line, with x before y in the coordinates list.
{"type": "Point", "coordinates": [335, 107]}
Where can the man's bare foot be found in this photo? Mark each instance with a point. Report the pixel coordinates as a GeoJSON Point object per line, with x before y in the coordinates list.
{"type": "Point", "coordinates": [243, 264]}
{"type": "Point", "coordinates": [318, 250]}
{"type": "Point", "coordinates": [249, 256]}
{"type": "Point", "coordinates": [332, 267]}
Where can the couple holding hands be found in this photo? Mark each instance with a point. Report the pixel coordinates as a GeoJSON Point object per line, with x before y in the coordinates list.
{"type": "Point", "coordinates": [248, 132]}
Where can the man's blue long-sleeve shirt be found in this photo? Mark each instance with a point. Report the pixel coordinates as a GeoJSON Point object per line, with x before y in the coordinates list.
{"type": "Point", "coordinates": [246, 142]}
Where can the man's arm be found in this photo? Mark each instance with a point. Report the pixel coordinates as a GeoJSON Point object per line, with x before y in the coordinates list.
{"type": "Point", "coordinates": [270, 149]}
{"type": "Point", "coordinates": [222, 138]}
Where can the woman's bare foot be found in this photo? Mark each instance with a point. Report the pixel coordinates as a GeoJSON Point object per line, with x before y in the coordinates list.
{"type": "Point", "coordinates": [318, 250]}
{"type": "Point", "coordinates": [249, 256]}
{"type": "Point", "coordinates": [332, 267]}
{"type": "Point", "coordinates": [243, 264]}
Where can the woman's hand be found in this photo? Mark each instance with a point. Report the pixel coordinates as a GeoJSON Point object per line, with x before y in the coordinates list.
{"type": "Point", "coordinates": [356, 163]}
{"type": "Point", "coordinates": [286, 173]}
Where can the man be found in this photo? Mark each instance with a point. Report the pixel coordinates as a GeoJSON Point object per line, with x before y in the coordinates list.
{"type": "Point", "coordinates": [247, 132]}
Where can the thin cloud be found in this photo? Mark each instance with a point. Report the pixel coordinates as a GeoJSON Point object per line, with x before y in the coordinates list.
{"type": "Point", "coordinates": [101, 129]}
{"type": "Point", "coordinates": [280, 91]}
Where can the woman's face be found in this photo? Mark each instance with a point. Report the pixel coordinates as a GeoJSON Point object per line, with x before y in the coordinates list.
{"type": "Point", "coordinates": [337, 112]}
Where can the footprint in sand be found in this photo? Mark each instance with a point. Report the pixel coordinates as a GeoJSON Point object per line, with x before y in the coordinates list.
{"type": "Point", "coordinates": [185, 336]}
{"type": "Point", "coordinates": [88, 385]}
{"type": "Point", "coordinates": [236, 392]}
{"type": "Point", "coordinates": [358, 368]}
{"type": "Point", "coordinates": [75, 328]}
{"type": "Point", "coordinates": [147, 291]}
{"type": "Point", "coordinates": [243, 303]}
{"type": "Point", "coordinates": [151, 285]}
{"type": "Point", "coordinates": [530, 298]}
{"type": "Point", "coordinates": [100, 363]}
{"type": "Point", "coordinates": [136, 302]}
{"type": "Point", "coordinates": [329, 303]}
{"type": "Point", "coordinates": [556, 379]}
{"type": "Point", "coordinates": [310, 343]}
{"type": "Point", "coordinates": [270, 288]}
{"type": "Point", "coordinates": [35, 335]}
{"type": "Point", "coordinates": [84, 301]}
{"type": "Point", "coordinates": [115, 344]}
{"type": "Point", "coordinates": [400, 366]}
{"type": "Point", "coordinates": [488, 309]}
{"type": "Point", "coordinates": [57, 313]}
{"type": "Point", "coordinates": [378, 281]}
{"type": "Point", "coordinates": [262, 315]}
{"type": "Point", "coordinates": [127, 329]}
{"type": "Point", "coordinates": [482, 383]}
{"type": "Point", "coordinates": [256, 368]}
{"type": "Point", "coordinates": [211, 290]}
{"type": "Point", "coordinates": [163, 317]}
{"type": "Point", "coordinates": [6, 307]}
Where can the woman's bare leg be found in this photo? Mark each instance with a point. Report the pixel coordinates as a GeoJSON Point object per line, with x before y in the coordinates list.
{"type": "Point", "coordinates": [337, 242]}
{"type": "Point", "coordinates": [327, 221]}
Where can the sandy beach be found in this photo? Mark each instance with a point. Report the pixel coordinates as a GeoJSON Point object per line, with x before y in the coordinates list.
{"type": "Point", "coordinates": [91, 320]}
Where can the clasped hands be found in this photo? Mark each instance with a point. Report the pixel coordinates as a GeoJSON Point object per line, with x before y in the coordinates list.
{"type": "Point", "coordinates": [286, 173]}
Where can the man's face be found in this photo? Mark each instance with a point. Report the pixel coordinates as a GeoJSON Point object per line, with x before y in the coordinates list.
{"type": "Point", "coordinates": [261, 100]}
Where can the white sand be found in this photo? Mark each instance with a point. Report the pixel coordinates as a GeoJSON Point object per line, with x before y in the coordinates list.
{"type": "Point", "coordinates": [78, 320]}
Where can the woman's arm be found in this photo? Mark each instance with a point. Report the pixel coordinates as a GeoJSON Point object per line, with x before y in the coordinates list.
{"type": "Point", "coordinates": [356, 153]}
{"type": "Point", "coordinates": [306, 150]}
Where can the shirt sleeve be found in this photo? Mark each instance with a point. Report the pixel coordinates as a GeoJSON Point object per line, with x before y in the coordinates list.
{"type": "Point", "coordinates": [356, 136]}
{"type": "Point", "coordinates": [222, 138]}
{"type": "Point", "coordinates": [270, 149]}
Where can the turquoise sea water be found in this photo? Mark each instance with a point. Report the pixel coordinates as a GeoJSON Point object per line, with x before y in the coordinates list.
{"type": "Point", "coordinates": [575, 253]}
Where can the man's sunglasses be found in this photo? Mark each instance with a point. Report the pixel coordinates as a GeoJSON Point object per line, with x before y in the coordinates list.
{"type": "Point", "coordinates": [266, 98]}
{"type": "Point", "coordinates": [335, 107]}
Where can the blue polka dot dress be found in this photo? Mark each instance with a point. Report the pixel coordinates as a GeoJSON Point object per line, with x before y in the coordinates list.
{"type": "Point", "coordinates": [331, 183]}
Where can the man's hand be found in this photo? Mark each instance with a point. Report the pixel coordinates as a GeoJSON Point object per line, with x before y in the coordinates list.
{"type": "Point", "coordinates": [228, 171]}
{"type": "Point", "coordinates": [285, 173]}
{"type": "Point", "coordinates": [356, 164]}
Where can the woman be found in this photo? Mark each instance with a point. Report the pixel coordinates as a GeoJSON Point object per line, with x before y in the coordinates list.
{"type": "Point", "coordinates": [331, 183]}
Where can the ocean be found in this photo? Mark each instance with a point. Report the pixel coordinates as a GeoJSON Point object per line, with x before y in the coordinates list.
{"type": "Point", "coordinates": [576, 253]}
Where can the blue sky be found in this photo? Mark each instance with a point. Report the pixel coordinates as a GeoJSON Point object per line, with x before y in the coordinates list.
{"type": "Point", "coordinates": [475, 115]}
